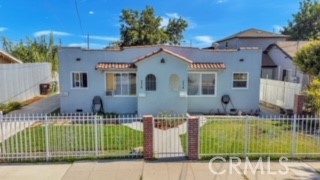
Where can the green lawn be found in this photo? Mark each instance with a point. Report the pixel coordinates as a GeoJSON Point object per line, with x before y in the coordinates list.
{"type": "Point", "coordinates": [112, 139]}
{"type": "Point", "coordinates": [266, 137]}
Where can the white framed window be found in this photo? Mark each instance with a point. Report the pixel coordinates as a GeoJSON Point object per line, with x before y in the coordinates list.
{"type": "Point", "coordinates": [151, 82]}
{"type": "Point", "coordinates": [121, 84]}
{"type": "Point", "coordinates": [240, 80]}
{"type": "Point", "coordinates": [202, 84]}
{"type": "Point", "coordinates": [79, 80]}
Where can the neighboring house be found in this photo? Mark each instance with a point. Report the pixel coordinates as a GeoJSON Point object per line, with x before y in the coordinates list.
{"type": "Point", "coordinates": [255, 38]}
{"type": "Point", "coordinates": [6, 58]}
{"type": "Point", "coordinates": [161, 78]}
{"type": "Point", "coordinates": [251, 38]}
{"type": "Point", "coordinates": [282, 53]}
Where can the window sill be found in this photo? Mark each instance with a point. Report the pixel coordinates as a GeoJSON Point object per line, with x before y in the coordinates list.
{"type": "Point", "coordinates": [125, 96]}
{"type": "Point", "coordinates": [246, 88]}
{"type": "Point", "coordinates": [79, 88]}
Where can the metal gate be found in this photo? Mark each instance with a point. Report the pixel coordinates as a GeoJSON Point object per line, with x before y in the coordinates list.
{"type": "Point", "coordinates": [170, 136]}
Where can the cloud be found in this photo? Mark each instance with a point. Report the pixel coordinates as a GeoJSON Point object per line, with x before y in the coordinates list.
{"type": "Point", "coordinates": [84, 45]}
{"type": "Point", "coordinates": [3, 29]}
{"type": "Point", "coordinates": [204, 39]}
{"type": "Point", "coordinates": [164, 22]}
{"type": "Point", "coordinates": [221, 1]}
{"type": "Point", "coordinates": [47, 32]}
{"type": "Point", "coordinates": [173, 15]}
{"type": "Point", "coordinates": [277, 28]}
{"type": "Point", "coordinates": [91, 12]}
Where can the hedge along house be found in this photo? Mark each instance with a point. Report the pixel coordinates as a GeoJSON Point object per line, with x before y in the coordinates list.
{"type": "Point", "coordinates": [161, 78]}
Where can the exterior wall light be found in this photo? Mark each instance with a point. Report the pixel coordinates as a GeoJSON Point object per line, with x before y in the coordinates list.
{"type": "Point", "coordinates": [162, 61]}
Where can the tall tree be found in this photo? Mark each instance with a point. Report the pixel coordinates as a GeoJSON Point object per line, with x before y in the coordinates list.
{"type": "Point", "coordinates": [34, 50]}
{"type": "Point", "coordinates": [306, 23]}
{"type": "Point", "coordinates": [144, 28]}
{"type": "Point", "coordinates": [175, 30]}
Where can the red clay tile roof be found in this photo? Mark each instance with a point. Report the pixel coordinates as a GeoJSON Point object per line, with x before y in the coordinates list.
{"type": "Point", "coordinates": [108, 66]}
{"type": "Point", "coordinates": [162, 50]}
{"type": "Point", "coordinates": [207, 66]}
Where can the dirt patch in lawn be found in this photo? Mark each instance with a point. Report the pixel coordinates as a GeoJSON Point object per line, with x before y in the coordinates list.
{"type": "Point", "coordinates": [167, 124]}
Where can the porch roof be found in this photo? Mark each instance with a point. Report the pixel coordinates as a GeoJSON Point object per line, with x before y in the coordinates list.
{"type": "Point", "coordinates": [111, 66]}
{"type": "Point", "coordinates": [124, 66]}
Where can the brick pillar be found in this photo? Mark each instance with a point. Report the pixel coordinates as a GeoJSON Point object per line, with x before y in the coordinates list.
{"type": "Point", "coordinates": [298, 104]}
{"type": "Point", "coordinates": [193, 138]}
{"type": "Point", "coordinates": [148, 137]}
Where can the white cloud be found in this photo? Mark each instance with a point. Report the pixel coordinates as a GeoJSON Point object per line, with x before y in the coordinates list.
{"type": "Point", "coordinates": [47, 32]}
{"type": "Point", "coordinates": [204, 39]}
{"type": "Point", "coordinates": [91, 12]}
{"type": "Point", "coordinates": [277, 28]}
{"type": "Point", "coordinates": [164, 22]}
{"type": "Point", "coordinates": [3, 29]}
{"type": "Point", "coordinates": [173, 15]}
{"type": "Point", "coordinates": [221, 1]}
{"type": "Point", "coordinates": [84, 45]}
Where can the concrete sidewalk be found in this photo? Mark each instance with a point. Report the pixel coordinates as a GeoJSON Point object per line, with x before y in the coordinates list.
{"type": "Point", "coordinates": [138, 169]}
{"type": "Point", "coordinates": [43, 106]}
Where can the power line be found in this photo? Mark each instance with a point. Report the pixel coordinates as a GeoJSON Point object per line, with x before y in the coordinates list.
{"type": "Point", "coordinates": [79, 18]}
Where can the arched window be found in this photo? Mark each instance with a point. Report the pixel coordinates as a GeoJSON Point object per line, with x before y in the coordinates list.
{"type": "Point", "coordinates": [174, 82]}
{"type": "Point", "coordinates": [151, 82]}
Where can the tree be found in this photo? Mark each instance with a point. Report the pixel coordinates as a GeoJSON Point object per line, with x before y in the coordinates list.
{"type": "Point", "coordinates": [306, 23]}
{"type": "Point", "coordinates": [144, 28]}
{"type": "Point", "coordinates": [313, 97]}
{"type": "Point", "coordinates": [34, 50]}
{"type": "Point", "coordinates": [175, 30]}
{"type": "Point", "coordinates": [308, 59]}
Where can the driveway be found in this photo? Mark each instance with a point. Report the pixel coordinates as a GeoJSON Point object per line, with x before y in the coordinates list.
{"type": "Point", "coordinates": [43, 106]}
{"type": "Point", "coordinates": [10, 127]}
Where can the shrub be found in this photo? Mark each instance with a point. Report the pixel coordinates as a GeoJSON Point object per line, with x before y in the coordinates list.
{"type": "Point", "coordinates": [313, 97]}
{"type": "Point", "coordinates": [13, 106]}
{"type": "Point", "coordinates": [3, 108]}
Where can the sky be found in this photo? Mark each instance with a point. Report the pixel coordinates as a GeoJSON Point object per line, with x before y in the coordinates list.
{"type": "Point", "coordinates": [209, 20]}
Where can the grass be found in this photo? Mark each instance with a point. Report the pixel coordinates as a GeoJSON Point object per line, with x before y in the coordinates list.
{"type": "Point", "coordinates": [112, 139]}
{"type": "Point", "coordinates": [221, 137]}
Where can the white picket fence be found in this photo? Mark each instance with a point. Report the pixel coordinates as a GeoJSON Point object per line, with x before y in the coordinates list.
{"type": "Point", "coordinates": [279, 93]}
{"type": "Point", "coordinates": [19, 82]}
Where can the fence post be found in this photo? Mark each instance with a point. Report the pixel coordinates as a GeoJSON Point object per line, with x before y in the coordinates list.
{"type": "Point", "coordinates": [148, 127]}
{"type": "Point", "coordinates": [47, 137]}
{"type": "Point", "coordinates": [294, 129]}
{"type": "Point", "coordinates": [3, 147]}
{"type": "Point", "coordinates": [193, 138]}
{"type": "Point", "coordinates": [96, 134]}
{"type": "Point", "coordinates": [247, 137]}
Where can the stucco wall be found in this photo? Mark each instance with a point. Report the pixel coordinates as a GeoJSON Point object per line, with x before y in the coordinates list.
{"type": "Point", "coordinates": [243, 99]}
{"type": "Point", "coordinates": [73, 99]}
{"type": "Point", "coordinates": [285, 62]}
{"type": "Point", "coordinates": [163, 99]}
{"type": "Point", "coordinates": [261, 43]}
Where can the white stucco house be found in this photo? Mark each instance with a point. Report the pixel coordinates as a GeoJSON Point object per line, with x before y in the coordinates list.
{"type": "Point", "coordinates": [282, 53]}
{"type": "Point", "coordinates": [161, 78]}
{"type": "Point", "coordinates": [255, 38]}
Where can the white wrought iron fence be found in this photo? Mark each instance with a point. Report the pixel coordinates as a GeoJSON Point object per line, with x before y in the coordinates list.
{"type": "Point", "coordinates": [69, 136]}
{"type": "Point", "coordinates": [296, 137]}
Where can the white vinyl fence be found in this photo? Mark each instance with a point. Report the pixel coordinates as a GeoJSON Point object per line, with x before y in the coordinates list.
{"type": "Point", "coordinates": [19, 82]}
{"type": "Point", "coordinates": [296, 137]}
{"type": "Point", "coordinates": [278, 93]}
{"type": "Point", "coordinates": [70, 136]}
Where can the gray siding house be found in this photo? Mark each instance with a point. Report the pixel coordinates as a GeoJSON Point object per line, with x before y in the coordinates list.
{"type": "Point", "coordinates": [161, 78]}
